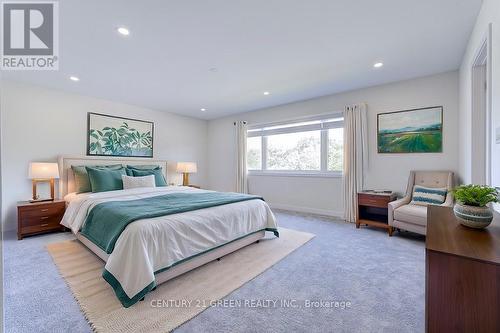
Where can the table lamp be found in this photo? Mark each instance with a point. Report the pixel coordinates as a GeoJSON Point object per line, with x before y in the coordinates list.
{"type": "Point", "coordinates": [186, 168]}
{"type": "Point", "coordinates": [43, 172]}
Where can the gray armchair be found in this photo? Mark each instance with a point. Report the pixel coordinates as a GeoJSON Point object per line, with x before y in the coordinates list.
{"type": "Point", "coordinates": [403, 215]}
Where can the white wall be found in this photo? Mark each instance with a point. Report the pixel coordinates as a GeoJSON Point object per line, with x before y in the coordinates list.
{"type": "Point", "coordinates": [490, 13]}
{"type": "Point", "coordinates": [39, 124]}
{"type": "Point", "coordinates": [323, 195]}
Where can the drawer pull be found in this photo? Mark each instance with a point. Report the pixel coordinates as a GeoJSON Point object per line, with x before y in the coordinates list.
{"type": "Point", "coordinates": [44, 225]}
{"type": "Point", "coordinates": [44, 210]}
{"type": "Point", "coordinates": [44, 218]}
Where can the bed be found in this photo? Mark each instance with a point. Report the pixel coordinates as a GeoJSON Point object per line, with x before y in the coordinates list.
{"type": "Point", "coordinates": [148, 236]}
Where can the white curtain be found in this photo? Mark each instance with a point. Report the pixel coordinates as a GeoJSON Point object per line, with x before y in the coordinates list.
{"type": "Point", "coordinates": [355, 157]}
{"type": "Point", "coordinates": [241, 155]}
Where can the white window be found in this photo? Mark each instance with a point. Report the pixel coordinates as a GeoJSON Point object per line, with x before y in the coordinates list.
{"type": "Point", "coordinates": [336, 149]}
{"type": "Point", "coordinates": [309, 147]}
{"type": "Point", "coordinates": [254, 153]}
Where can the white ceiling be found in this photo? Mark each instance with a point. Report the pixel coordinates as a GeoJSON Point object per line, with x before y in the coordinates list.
{"type": "Point", "coordinates": [296, 49]}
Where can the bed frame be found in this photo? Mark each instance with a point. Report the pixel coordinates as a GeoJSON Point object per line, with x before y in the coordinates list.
{"type": "Point", "coordinates": [190, 264]}
{"type": "Point", "coordinates": [67, 178]}
{"type": "Point", "coordinates": [66, 185]}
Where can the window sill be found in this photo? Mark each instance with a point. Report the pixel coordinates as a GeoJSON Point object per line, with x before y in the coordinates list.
{"type": "Point", "coordinates": [308, 174]}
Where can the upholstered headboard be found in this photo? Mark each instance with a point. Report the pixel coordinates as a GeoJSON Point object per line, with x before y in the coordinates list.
{"type": "Point", "coordinates": [66, 177]}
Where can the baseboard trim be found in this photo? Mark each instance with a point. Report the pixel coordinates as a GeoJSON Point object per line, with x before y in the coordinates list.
{"type": "Point", "coordinates": [308, 210]}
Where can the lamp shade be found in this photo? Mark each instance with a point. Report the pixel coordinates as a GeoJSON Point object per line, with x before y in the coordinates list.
{"type": "Point", "coordinates": [43, 170]}
{"type": "Point", "coordinates": [187, 167]}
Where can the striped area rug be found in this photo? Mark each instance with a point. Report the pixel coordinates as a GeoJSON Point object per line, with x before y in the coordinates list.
{"type": "Point", "coordinates": [173, 302]}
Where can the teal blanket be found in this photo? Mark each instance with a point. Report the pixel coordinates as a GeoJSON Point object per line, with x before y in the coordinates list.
{"type": "Point", "coordinates": [107, 220]}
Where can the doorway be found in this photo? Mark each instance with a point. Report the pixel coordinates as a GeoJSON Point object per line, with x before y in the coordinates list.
{"type": "Point", "coordinates": [481, 114]}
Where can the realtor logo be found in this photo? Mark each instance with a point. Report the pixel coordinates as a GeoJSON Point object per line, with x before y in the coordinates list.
{"type": "Point", "coordinates": [30, 35]}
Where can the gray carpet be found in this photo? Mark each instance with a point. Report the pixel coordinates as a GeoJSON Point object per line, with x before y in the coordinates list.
{"type": "Point", "coordinates": [381, 277]}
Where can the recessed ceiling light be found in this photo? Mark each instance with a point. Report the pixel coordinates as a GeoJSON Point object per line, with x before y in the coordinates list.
{"type": "Point", "coordinates": [124, 31]}
{"type": "Point", "coordinates": [74, 78]}
{"type": "Point", "coordinates": [266, 93]}
{"type": "Point", "coordinates": [378, 64]}
{"type": "Point", "coordinates": [203, 109]}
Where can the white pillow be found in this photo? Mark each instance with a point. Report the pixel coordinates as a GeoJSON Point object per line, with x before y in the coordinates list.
{"type": "Point", "coordinates": [424, 196]}
{"type": "Point", "coordinates": [135, 182]}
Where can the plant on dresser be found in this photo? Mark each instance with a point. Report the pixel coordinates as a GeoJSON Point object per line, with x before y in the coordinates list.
{"type": "Point", "coordinates": [41, 217]}
{"type": "Point", "coordinates": [471, 208]}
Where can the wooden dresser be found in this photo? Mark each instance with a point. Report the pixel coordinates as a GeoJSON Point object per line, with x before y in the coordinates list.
{"type": "Point", "coordinates": [462, 275]}
{"type": "Point", "coordinates": [35, 218]}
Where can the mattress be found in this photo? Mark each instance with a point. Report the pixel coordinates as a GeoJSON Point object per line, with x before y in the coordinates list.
{"type": "Point", "coordinates": [148, 247]}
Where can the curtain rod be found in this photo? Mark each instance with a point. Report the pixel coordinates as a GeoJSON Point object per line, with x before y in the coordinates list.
{"type": "Point", "coordinates": [244, 122]}
{"type": "Point", "coordinates": [299, 118]}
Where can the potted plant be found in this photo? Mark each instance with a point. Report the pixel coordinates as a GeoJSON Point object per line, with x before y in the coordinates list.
{"type": "Point", "coordinates": [471, 208]}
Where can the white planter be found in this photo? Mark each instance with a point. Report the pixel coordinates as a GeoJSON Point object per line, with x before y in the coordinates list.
{"type": "Point", "coordinates": [473, 216]}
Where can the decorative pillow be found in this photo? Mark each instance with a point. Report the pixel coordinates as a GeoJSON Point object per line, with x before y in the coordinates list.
{"type": "Point", "coordinates": [140, 167]}
{"type": "Point", "coordinates": [82, 181]}
{"type": "Point", "coordinates": [102, 180]}
{"type": "Point", "coordinates": [136, 182]}
{"type": "Point", "coordinates": [159, 179]}
{"type": "Point", "coordinates": [428, 195]}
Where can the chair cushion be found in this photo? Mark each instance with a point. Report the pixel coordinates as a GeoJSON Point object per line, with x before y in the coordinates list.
{"type": "Point", "coordinates": [428, 196]}
{"type": "Point", "coordinates": [432, 178]}
{"type": "Point", "coordinates": [412, 214]}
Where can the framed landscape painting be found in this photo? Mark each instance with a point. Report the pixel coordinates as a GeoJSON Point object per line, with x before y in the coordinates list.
{"type": "Point", "coordinates": [411, 131]}
{"type": "Point", "coordinates": [116, 136]}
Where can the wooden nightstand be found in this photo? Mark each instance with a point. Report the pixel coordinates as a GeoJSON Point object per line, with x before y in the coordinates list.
{"type": "Point", "coordinates": [372, 209]}
{"type": "Point", "coordinates": [36, 218]}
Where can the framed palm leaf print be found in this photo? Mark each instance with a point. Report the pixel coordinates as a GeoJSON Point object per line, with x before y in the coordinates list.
{"type": "Point", "coordinates": [117, 136]}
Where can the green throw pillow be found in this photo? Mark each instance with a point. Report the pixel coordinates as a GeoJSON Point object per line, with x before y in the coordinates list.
{"type": "Point", "coordinates": [82, 181]}
{"type": "Point", "coordinates": [102, 180]}
{"type": "Point", "coordinates": [159, 179]}
{"type": "Point", "coordinates": [140, 167]}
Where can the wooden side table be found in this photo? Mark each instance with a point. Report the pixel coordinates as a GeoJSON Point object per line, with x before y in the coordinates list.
{"type": "Point", "coordinates": [41, 217]}
{"type": "Point", "coordinates": [373, 211]}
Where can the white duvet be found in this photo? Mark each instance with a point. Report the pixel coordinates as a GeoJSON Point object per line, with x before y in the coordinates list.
{"type": "Point", "coordinates": [148, 245]}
